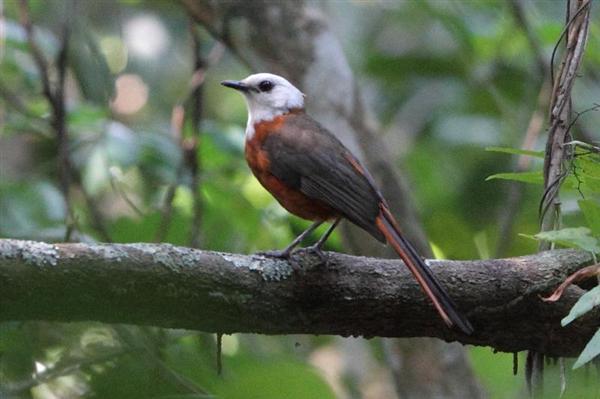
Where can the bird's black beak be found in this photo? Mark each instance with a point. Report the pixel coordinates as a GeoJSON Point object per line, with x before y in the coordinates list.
{"type": "Point", "coordinates": [235, 84]}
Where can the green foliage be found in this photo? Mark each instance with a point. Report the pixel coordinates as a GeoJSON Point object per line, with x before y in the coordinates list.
{"type": "Point", "coordinates": [34, 210]}
{"type": "Point", "coordinates": [274, 378]}
{"type": "Point", "coordinates": [575, 237]}
{"type": "Point", "coordinates": [591, 350]}
{"type": "Point", "coordinates": [584, 178]}
{"type": "Point", "coordinates": [516, 151]}
{"type": "Point", "coordinates": [591, 211]}
{"type": "Point", "coordinates": [524, 177]}
{"type": "Point", "coordinates": [587, 302]}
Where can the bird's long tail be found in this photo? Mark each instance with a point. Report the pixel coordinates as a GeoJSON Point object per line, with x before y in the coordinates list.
{"type": "Point", "coordinates": [439, 297]}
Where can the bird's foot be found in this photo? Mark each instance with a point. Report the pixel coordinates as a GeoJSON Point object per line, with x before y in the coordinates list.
{"type": "Point", "coordinates": [299, 264]}
{"type": "Point", "coordinates": [316, 251]}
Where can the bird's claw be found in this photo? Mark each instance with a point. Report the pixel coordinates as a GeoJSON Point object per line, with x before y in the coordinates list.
{"type": "Point", "coordinates": [313, 250]}
{"type": "Point", "coordinates": [318, 252]}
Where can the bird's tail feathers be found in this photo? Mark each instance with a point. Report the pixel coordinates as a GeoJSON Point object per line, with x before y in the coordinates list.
{"type": "Point", "coordinates": [430, 285]}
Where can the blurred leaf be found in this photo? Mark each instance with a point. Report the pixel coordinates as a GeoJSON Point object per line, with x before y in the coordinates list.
{"type": "Point", "coordinates": [591, 350]}
{"type": "Point", "coordinates": [131, 377]}
{"type": "Point", "coordinates": [437, 251]}
{"type": "Point", "coordinates": [85, 115]}
{"type": "Point", "coordinates": [525, 177]}
{"type": "Point", "coordinates": [586, 302]}
{"type": "Point", "coordinates": [585, 176]}
{"type": "Point", "coordinates": [271, 379]}
{"type": "Point", "coordinates": [591, 211]}
{"type": "Point", "coordinates": [90, 67]}
{"type": "Point", "coordinates": [452, 234]}
{"type": "Point", "coordinates": [160, 157]}
{"type": "Point", "coordinates": [223, 141]}
{"type": "Point", "coordinates": [98, 339]}
{"type": "Point", "coordinates": [128, 229]}
{"type": "Point", "coordinates": [115, 53]}
{"type": "Point", "coordinates": [389, 68]}
{"type": "Point", "coordinates": [228, 212]}
{"type": "Point", "coordinates": [28, 207]}
{"type": "Point", "coordinates": [183, 201]}
{"type": "Point", "coordinates": [95, 174]}
{"type": "Point", "coordinates": [13, 35]}
{"type": "Point", "coordinates": [578, 237]}
{"type": "Point", "coordinates": [122, 144]}
{"type": "Point", "coordinates": [10, 336]}
{"type": "Point", "coordinates": [16, 352]}
{"type": "Point", "coordinates": [516, 151]}
{"type": "Point", "coordinates": [492, 369]}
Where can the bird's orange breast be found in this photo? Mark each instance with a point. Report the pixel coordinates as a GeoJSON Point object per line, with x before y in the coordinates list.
{"type": "Point", "coordinates": [259, 161]}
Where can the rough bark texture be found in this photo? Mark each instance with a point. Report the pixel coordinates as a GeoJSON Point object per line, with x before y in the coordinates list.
{"type": "Point", "coordinates": [177, 287]}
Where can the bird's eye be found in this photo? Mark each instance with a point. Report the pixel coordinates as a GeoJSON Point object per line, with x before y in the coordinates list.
{"type": "Point", "coordinates": [265, 85]}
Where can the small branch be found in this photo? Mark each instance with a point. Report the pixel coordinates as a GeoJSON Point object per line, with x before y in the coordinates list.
{"type": "Point", "coordinates": [66, 367]}
{"type": "Point", "coordinates": [176, 287]}
{"type": "Point", "coordinates": [217, 24]}
{"type": "Point", "coordinates": [60, 125]}
{"type": "Point", "coordinates": [137, 342]}
{"type": "Point", "coordinates": [97, 219]}
{"type": "Point", "coordinates": [557, 154]}
{"type": "Point", "coordinates": [190, 162]}
{"type": "Point", "coordinates": [36, 53]}
{"type": "Point", "coordinates": [190, 146]}
{"type": "Point", "coordinates": [56, 98]}
{"type": "Point", "coordinates": [560, 116]}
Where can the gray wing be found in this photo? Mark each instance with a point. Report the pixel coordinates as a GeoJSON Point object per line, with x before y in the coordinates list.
{"type": "Point", "coordinates": [310, 159]}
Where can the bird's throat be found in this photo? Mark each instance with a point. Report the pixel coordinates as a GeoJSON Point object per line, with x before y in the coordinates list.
{"type": "Point", "coordinates": [259, 119]}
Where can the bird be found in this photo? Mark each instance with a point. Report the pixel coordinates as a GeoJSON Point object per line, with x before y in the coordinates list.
{"type": "Point", "coordinates": [315, 177]}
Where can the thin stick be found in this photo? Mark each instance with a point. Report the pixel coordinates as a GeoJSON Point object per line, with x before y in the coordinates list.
{"type": "Point", "coordinates": [56, 99]}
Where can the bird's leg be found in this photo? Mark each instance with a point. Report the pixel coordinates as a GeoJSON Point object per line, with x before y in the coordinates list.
{"type": "Point", "coordinates": [285, 253]}
{"type": "Point", "coordinates": [319, 244]}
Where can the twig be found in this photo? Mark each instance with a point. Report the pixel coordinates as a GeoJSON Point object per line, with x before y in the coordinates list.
{"type": "Point", "coordinates": [69, 366]}
{"type": "Point", "coordinates": [207, 19]}
{"type": "Point", "coordinates": [56, 98]}
{"type": "Point", "coordinates": [16, 103]}
{"type": "Point", "coordinates": [97, 219]}
{"type": "Point", "coordinates": [190, 146]}
{"type": "Point", "coordinates": [219, 353]}
{"type": "Point", "coordinates": [576, 31]}
{"type": "Point", "coordinates": [190, 162]}
{"type": "Point", "coordinates": [138, 341]}
{"type": "Point", "coordinates": [560, 116]}
{"type": "Point", "coordinates": [113, 172]}
{"type": "Point", "coordinates": [36, 53]}
{"type": "Point", "coordinates": [568, 23]}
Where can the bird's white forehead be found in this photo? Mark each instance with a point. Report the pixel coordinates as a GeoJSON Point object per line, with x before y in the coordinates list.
{"type": "Point", "coordinates": [259, 77]}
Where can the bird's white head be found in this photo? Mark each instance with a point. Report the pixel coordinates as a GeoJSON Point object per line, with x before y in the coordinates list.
{"type": "Point", "coordinates": [267, 96]}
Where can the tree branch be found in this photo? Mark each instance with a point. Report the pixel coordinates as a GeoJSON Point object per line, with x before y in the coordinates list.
{"type": "Point", "coordinates": [177, 287]}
